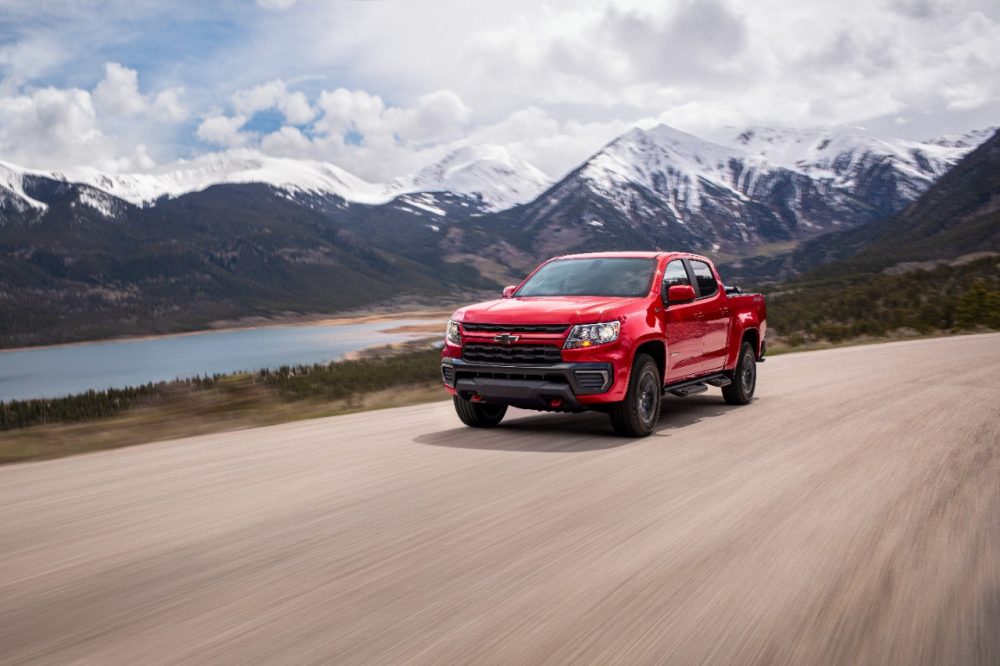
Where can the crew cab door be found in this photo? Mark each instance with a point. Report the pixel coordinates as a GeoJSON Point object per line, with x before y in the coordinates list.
{"type": "Point", "coordinates": [712, 306]}
{"type": "Point", "coordinates": [682, 327]}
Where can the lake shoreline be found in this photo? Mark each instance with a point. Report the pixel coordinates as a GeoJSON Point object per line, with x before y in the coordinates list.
{"type": "Point", "coordinates": [225, 326]}
{"type": "Point", "coordinates": [56, 371]}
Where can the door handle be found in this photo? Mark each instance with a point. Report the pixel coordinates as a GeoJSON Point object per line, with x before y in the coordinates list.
{"type": "Point", "coordinates": [725, 312]}
{"type": "Point", "coordinates": [699, 315]}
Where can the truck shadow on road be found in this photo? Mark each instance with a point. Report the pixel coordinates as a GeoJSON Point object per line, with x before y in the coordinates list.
{"type": "Point", "coordinates": [574, 433]}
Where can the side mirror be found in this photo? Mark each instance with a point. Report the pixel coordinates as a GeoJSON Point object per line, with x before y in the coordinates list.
{"type": "Point", "coordinates": [680, 293]}
{"type": "Point", "coordinates": [509, 291]}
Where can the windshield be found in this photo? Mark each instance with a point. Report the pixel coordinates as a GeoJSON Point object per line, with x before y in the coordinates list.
{"type": "Point", "coordinates": [591, 277]}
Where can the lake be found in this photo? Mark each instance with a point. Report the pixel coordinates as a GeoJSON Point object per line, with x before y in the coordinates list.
{"type": "Point", "coordinates": [46, 372]}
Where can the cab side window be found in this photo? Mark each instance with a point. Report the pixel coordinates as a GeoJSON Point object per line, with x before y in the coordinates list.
{"type": "Point", "coordinates": [675, 274]}
{"type": "Point", "coordinates": [704, 278]}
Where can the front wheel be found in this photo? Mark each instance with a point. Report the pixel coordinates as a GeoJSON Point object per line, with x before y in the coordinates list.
{"type": "Point", "coordinates": [479, 414]}
{"type": "Point", "coordinates": [740, 391]}
{"type": "Point", "coordinates": [637, 414]}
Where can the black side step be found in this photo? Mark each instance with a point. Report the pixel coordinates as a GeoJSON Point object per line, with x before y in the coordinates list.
{"type": "Point", "coordinates": [698, 385]}
{"type": "Point", "coordinates": [689, 390]}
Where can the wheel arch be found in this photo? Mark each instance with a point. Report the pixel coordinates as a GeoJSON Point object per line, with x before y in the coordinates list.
{"type": "Point", "coordinates": [749, 334]}
{"type": "Point", "coordinates": [655, 348]}
{"type": "Point", "coordinates": [752, 335]}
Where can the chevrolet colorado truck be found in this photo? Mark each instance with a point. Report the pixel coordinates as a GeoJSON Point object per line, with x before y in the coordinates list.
{"type": "Point", "coordinates": [610, 331]}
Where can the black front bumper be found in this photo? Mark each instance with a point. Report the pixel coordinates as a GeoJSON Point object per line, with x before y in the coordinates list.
{"type": "Point", "coordinates": [546, 387]}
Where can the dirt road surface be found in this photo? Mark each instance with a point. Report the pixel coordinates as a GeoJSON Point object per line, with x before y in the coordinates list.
{"type": "Point", "coordinates": [849, 515]}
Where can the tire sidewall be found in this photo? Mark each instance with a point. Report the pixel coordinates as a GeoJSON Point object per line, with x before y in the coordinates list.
{"type": "Point", "coordinates": [645, 367]}
{"type": "Point", "coordinates": [747, 358]}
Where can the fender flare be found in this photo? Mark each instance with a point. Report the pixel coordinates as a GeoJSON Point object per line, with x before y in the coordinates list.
{"type": "Point", "coordinates": [661, 359]}
{"type": "Point", "coordinates": [734, 352]}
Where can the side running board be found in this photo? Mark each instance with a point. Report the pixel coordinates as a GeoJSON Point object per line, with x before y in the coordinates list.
{"type": "Point", "coordinates": [699, 385]}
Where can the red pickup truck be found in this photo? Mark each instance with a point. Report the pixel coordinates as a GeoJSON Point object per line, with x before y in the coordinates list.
{"type": "Point", "coordinates": [610, 331]}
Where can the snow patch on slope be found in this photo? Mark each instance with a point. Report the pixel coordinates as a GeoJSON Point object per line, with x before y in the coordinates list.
{"type": "Point", "coordinates": [102, 202]}
{"type": "Point", "coordinates": [425, 202]}
{"type": "Point", "coordinates": [12, 179]}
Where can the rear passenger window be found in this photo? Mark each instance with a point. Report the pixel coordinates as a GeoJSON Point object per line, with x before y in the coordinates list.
{"type": "Point", "coordinates": [675, 274]}
{"type": "Point", "coordinates": [703, 276]}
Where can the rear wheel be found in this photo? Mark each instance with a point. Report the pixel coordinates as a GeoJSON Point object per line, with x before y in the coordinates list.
{"type": "Point", "coordinates": [637, 414]}
{"type": "Point", "coordinates": [740, 392]}
{"type": "Point", "coordinates": [479, 414]}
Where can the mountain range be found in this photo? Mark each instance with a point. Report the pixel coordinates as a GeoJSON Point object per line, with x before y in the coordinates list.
{"type": "Point", "coordinates": [665, 188]}
{"type": "Point", "coordinates": [956, 219]}
{"type": "Point", "coordinates": [87, 254]}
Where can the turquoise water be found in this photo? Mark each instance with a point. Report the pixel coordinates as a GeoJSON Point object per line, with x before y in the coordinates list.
{"type": "Point", "coordinates": [47, 372]}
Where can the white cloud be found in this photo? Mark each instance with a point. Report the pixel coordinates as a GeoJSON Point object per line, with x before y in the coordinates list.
{"type": "Point", "coordinates": [258, 98]}
{"type": "Point", "coordinates": [118, 92]}
{"type": "Point", "coordinates": [349, 110]}
{"type": "Point", "coordinates": [30, 57]}
{"type": "Point", "coordinates": [433, 117]}
{"type": "Point", "coordinates": [438, 116]}
{"type": "Point", "coordinates": [274, 95]}
{"type": "Point", "coordinates": [287, 142]}
{"type": "Point", "coordinates": [62, 123]}
{"type": "Point", "coordinates": [362, 133]}
{"type": "Point", "coordinates": [109, 126]}
{"type": "Point", "coordinates": [695, 61]}
{"type": "Point", "coordinates": [297, 109]}
{"type": "Point", "coordinates": [223, 130]}
{"type": "Point", "coordinates": [380, 92]}
{"type": "Point", "coordinates": [167, 106]}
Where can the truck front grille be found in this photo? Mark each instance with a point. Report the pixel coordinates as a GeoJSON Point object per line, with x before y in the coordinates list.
{"type": "Point", "coordinates": [514, 328]}
{"type": "Point", "coordinates": [503, 354]}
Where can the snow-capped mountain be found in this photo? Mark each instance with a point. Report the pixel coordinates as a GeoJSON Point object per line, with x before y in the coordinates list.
{"type": "Point", "coordinates": [969, 140]}
{"type": "Point", "coordinates": [658, 187]}
{"type": "Point", "coordinates": [667, 188]}
{"type": "Point", "coordinates": [242, 166]}
{"type": "Point", "coordinates": [489, 176]}
{"type": "Point", "coordinates": [488, 172]}
{"type": "Point", "coordinates": [887, 172]}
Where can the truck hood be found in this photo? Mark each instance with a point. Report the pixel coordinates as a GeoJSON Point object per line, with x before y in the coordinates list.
{"type": "Point", "coordinates": [545, 310]}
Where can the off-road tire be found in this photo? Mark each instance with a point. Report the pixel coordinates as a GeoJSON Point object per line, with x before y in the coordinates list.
{"type": "Point", "coordinates": [744, 377]}
{"type": "Point", "coordinates": [637, 414]}
{"type": "Point", "coordinates": [479, 414]}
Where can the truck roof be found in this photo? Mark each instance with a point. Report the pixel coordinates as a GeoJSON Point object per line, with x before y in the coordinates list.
{"type": "Point", "coordinates": [622, 255]}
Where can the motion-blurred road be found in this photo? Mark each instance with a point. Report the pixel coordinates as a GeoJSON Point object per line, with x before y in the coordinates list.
{"type": "Point", "coordinates": [850, 515]}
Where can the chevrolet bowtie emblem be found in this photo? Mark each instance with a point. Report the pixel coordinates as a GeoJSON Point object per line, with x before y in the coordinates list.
{"type": "Point", "coordinates": [506, 339]}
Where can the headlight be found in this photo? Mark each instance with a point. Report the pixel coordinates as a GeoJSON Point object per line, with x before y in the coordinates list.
{"type": "Point", "coordinates": [453, 334]}
{"type": "Point", "coordinates": [588, 335]}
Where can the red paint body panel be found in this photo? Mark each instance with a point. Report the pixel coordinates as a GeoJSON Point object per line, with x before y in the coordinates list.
{"type": "Point", "coordinates": [700, 337]}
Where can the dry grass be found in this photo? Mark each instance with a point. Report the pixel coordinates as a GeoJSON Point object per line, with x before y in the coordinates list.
{"type": "Point", "coordinates": [196, 413]}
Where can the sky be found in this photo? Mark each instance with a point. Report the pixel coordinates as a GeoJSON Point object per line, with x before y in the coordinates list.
{"type": "Point", "coordinates": [383, 87]}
